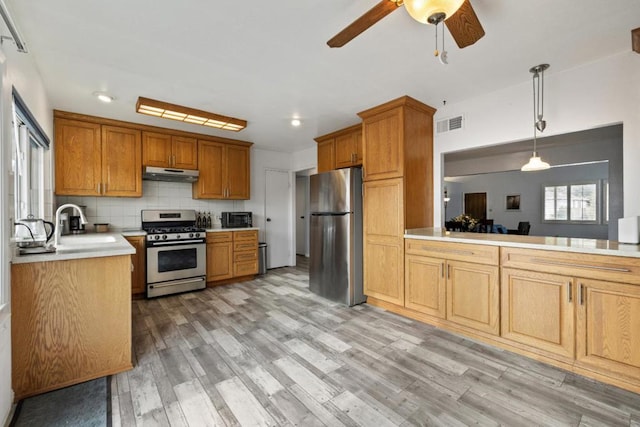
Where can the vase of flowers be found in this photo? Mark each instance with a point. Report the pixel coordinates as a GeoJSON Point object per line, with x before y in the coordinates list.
{"type": "Point", "coordinates": [468, 222]}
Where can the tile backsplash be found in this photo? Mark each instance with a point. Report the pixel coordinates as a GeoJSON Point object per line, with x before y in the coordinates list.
{"type": "Point", "coordinates": [124, 212]}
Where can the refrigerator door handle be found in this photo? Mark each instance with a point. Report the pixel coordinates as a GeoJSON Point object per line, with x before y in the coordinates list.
{"type": "Point", "coordinates": [330, 213]}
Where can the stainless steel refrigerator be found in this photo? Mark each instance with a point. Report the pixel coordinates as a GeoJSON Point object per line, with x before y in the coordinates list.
{"type": "Point", "coordinates": [335, 266]}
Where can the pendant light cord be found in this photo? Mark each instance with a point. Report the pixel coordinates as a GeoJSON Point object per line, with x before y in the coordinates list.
{"type": "Point", "coordinates": [535, 116]}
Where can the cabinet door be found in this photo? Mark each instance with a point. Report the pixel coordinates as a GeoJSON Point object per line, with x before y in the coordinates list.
{"type": "Point", "coordinates": [383, 146]}
{"type": "Point", "coordinates": [185, 152]}
{"type": "Point", "coordinates": [425, 285]}
{"type": "Point", "coordinates": [537, 310]}
{"type": "Point", "coordinates": [237, 171]}
{"type": "Point", "coordinates": [383, 251]}
{"type": "Point", "coordinates": [210, 184]}
{"type": "Point", "coordinates": [608, 327]}
{"type": "Point", "coordinates": [156, 149]}
{"type": "Point", "coordinates": [121, 162]}
{"type": "Point", "coordinates": [326, 155]}
{"type": "Point", "coordinates": [357, 137]}
{"type": "Point", "coordinates": [77, 158]}
{"type": "Point", "coordinates": [138, 264]}
{"type": "Point", "coordinates": [473, 297]}
{"type": "Point", "coordinates": [346, 151]}
{"type": "Point", "coordinates": [219, 261]}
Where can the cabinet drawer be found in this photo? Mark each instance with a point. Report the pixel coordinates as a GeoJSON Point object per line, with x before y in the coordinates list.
{"type": "Point", "coordinates": [245, 245]}
{"type": "Point", "coordinates": [245, 268]}
{"type": "Point", "coordinates": [245, 256]}
{"type": "Point", "coordinates": [219, 236]}
{"type": "Point", "coordinates": [479, 254]}
{"type": "Point", "coordinates": [611, 268]}
{"type": "Point", "coordinates": [250, 235]}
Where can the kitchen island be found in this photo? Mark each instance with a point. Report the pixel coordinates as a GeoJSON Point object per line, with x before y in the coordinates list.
{"type": "Point", "coordinates": [573, 303]}
{"type": "Point", "coordinates": [71, 313]}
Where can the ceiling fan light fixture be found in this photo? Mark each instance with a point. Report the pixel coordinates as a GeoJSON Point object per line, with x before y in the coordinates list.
{"type": "Point", "coordinates": [423, 10]}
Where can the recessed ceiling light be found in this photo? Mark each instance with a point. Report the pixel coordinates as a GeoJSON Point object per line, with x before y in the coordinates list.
{"type": "Point", "coordinates": [295, 122]}
{"type": "Point", "coordinates": [104, 97]}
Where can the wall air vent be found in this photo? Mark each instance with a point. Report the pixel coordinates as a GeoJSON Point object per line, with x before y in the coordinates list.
{"type": "Point", "coordinates": [447, 125]}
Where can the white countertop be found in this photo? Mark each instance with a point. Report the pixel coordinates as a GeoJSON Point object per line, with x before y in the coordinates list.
{"type": "Point", "coordinates": [214, 230]}
{"type": "Point", "coordinates": [90, 245]}
{"type": "Point", "coordinates": [564, 244]}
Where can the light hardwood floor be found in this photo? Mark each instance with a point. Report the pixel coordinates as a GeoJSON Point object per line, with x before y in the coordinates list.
{"type": "Point", "coordinates": [269, 353]}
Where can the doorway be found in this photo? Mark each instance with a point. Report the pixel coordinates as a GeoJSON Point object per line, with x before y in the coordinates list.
{"type": "Point", "coordinates": [475, 205]}
{"type": "Point", "coordinates": [277, 209]}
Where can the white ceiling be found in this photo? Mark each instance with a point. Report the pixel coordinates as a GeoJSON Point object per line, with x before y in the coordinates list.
{"type": "Point", "coordinates": [267, 61]}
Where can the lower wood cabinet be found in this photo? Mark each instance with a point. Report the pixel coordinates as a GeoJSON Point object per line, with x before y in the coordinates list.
{"type": "Point", "coordinates": [473, 296]}
{"type": "Point", "coordinates": [425, 285]}
{"type": "Point", "coordinates": [608, 327]}
{"type": "Point", "coordinates": [219, 256]}
{"type": "Point", "coordinates": [538, 310]}
{"type": "Point", "coordinates": [231, 254]}
{"type": "Point", "coordinates": [71, 322]}
{"type": "Point", "coordinates": [138, 265]}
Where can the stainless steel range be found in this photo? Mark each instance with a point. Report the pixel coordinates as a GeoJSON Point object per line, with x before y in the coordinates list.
{"type": "Point", "coordinates": [176, 252]}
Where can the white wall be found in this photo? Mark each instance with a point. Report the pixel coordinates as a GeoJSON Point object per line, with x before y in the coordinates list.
{"type": "Point", "coordinates": [594, 95]}
{"type": "Point", "coordinates": [18, 70]}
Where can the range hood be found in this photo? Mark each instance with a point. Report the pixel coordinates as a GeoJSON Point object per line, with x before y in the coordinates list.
{"type": "Point", "coordinates": [153, 173]}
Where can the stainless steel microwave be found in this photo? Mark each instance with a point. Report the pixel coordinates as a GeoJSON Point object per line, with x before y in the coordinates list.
{"type": "Point", "coordinates": [236, 220]}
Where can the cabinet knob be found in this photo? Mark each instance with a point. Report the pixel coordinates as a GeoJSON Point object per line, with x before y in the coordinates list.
{"type": "Point", "coordinates": [268, 219]}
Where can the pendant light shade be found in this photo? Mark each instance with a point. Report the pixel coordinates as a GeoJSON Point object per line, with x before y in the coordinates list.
{"type": "Point", "coordinates": [535, 164]}
{"type": "Point", "coordinates": [422, 10]}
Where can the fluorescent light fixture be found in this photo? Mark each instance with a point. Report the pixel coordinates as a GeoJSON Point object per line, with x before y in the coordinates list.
{"type": "Point", "coordinates": [295, 122]}
{"type": "Point", "coordinates": [104, 97]}
{"type": "Point", "coordinates": [15, 35]}
{"type": "Point", "coordinates": [165, 110]}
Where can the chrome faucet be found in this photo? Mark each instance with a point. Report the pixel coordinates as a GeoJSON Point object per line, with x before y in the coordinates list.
{"type": "Point", "coordinates": [58, 229]}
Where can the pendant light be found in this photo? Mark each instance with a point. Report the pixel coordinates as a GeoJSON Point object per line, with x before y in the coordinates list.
{"type": "Point", "coordinates": [539, 124]}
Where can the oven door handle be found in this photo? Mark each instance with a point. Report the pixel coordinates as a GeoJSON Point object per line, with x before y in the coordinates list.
{"type": "Point", "coordinates": [174, 283]}
{"type": "Point", "coordinates": [175, 243]}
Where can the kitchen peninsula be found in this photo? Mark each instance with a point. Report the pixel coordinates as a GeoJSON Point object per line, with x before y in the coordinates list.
{"type": "Point", "coordinates": [71, 313]}
{"type": "Point", "coordinates": [573, 303]}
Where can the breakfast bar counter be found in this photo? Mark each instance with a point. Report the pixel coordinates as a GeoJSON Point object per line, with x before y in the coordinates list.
{"type": "Point", "coordinates": [564, 244]}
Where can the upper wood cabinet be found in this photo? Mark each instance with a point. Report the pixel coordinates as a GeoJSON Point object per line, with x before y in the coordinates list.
{"type": "Point", "coordinates": [224, 171]}
{"type": "Point", "coordinates": [97, 160]}
{"type": "Point", "coordinates": [164, 150]}
{"type": "Point", "coordinates": [398, 140]}
{"type": "Point", "coordinates": [340, 149]}
{"type": "Point", "coordinates": [326, 155]}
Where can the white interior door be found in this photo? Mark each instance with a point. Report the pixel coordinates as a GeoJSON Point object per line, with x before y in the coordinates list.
{"type": "Point", "coordinates": [277, 218]}
{"type": "Point", "coordinates": [302, 197]}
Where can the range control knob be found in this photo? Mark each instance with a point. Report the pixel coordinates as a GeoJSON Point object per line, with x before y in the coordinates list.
{"type": "Point", "coordinates": [190, 235]}
{"type": "Point", "coordinates": [197, 234]}
{"type": "Point", "coordinates": [164, 237]}
{"type": "Point", "coordinates": [177, 236]}
{"type": "Point", "coordinates": [156, 237]}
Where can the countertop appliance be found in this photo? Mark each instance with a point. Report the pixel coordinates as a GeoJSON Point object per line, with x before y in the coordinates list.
{"type": "Point", "coordinates": [236, 219]}
{"type": "Point", "coordinates": [335, 266]}
{"type": "Point", "coordinates": [31, 232]}
{"type": "Point", "coordinates": [176, 252]}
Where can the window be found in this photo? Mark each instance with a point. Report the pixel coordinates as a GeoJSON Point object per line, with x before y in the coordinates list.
{"type": "Point", "coordinates": [577, 203]}
{"type": "Point", "coordinates": [28, 145]}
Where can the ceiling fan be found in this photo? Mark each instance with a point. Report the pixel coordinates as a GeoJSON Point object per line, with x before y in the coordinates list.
{"type": "Point", "coordinates": [458, 15]}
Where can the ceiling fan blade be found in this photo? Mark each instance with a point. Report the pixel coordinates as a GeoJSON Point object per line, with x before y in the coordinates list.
{"type": "Point", "coordinates": [464, 26]}
{"type": "Point", "coordinates": [358, 26]}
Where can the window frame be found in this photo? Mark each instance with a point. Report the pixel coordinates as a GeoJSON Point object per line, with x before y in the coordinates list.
{"type": "Point", "coordinates": [568, 185]}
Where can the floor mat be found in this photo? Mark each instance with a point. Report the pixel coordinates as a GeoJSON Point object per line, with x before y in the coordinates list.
{"type": "Point", "coordinates": [86, 404]}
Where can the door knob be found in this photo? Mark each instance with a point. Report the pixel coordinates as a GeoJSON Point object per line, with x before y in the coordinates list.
{"type": "Point", "coordinates": [268, 219]}
{"type": "Point", "coordinates": [302, 217]}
